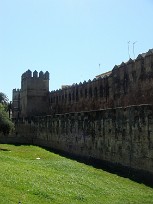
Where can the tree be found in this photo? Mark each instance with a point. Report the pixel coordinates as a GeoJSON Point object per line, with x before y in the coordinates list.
{"type": "Point", "coordinates": [6, 125]}
{"type": "Point", "coordinates": [3, 98]}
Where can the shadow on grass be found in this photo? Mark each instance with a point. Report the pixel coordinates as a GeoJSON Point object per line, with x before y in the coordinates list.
{"type": "Point", "coordinates": [136, 175]}
{"type": "Point", "coordinates": [139, 176]}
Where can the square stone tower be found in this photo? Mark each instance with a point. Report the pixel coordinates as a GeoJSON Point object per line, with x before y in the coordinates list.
{"type": "Point", "coordinates": [34, 94]}
{"type": "Point", "coordinates": [16, 103]}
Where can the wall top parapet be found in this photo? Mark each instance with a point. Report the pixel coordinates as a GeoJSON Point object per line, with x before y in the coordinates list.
{"type": "Point", "coordinates": [130, 61]}
{"type": "Point", "coordinates": [29, 74]}
{"type": "Point", "coordinates": [122, 64]}
{"type": "Point", "coordinates": [105, 75]}
{"type": "Point", "coordinates": [109, 73]}
{"type": "Point", "coordinates": [139, 57]}
{"type": "Point", "coordinates": [16, 90]}
{"type": "Point", "coordinates": [150, 52]}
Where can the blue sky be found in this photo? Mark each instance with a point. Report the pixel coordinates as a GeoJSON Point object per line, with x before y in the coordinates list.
{"type": "Point", "coordinates": [70, 38]}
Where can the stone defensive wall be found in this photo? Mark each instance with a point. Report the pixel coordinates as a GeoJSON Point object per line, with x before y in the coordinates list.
{"type": "Point", "coordinates": [109, 119]}
{"type": "Point", "coordinates": [130, 83]}
{"type": "Point", "coordinates": [34, 93]}
{"type": "Point", "coordinates": [121, 136]}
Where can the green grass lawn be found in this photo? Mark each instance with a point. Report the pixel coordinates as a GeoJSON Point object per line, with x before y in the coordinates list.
{"type": "Point", "coordinates": [55, 179]}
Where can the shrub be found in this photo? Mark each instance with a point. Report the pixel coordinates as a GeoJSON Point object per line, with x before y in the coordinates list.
{"type": "Point", "coordinates": [6, 125]}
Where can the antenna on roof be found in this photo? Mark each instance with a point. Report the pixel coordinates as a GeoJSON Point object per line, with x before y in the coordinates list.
{"type": "Point", "coordinates": [128, 49]}
{"type": "Point", "coordinates": [133, 49]}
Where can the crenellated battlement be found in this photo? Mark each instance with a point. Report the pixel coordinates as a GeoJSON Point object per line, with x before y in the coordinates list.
{"type": "Point", "coordinates": [109, 118]}
{"type": "Point", "coordinates": [16, 90]}
{"type": "Point", "coordinates": [35, 74]}
{"type": "Point", "coordinates": [141, 57]}
{"type": "Point", "coordinates": [126, 84]}
{"type": "Point", "coordinates": [16, 102]}
{"type": "Point", "coordinates": [130, 83]}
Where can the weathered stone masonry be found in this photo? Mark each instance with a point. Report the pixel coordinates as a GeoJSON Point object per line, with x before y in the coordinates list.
{"type": "Point", "coordinates": [109, 118]}
{"type": "Point", "coordinates": [121, 136]}
{"type": "Point", "coordinates": [129, 83]}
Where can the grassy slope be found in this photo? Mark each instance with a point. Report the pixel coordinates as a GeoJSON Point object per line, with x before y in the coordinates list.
{"type": "Point", "coordinates": [55, 179]}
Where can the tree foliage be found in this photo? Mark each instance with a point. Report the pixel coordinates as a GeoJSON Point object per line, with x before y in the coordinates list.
{"type": "Point", "coordinates": [3, 98]}
{"type": "Point", "coordinates": [6, 125]}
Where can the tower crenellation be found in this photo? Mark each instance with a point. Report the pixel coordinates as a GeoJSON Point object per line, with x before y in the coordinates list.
{"type": "Point", "coordinates": [34, 93]}
{"type": "Point", "coordinates": [122, 86]}
{"type": "Point", "coordinates": [41, 75]}
{"type": "Point", "coordinates": [35, 74]}
{"type": "Point", "coordinates": [16, 102]}
{"type": "Point", "coordinates": [109, 115]}
{"type": "Point", "coordinates": [28, 73]}
{"type": "Point", "coordinates": [46, 75]}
